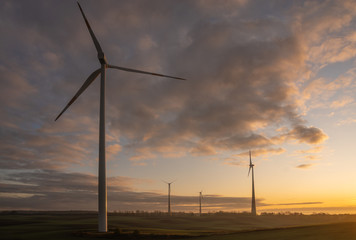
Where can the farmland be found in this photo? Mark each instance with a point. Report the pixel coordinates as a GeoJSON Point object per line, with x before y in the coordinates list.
{"type": "Point", "coordinates": [219, 226]}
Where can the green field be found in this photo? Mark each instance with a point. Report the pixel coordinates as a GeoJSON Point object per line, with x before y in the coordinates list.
{"type": "Point", "coordinates": [76, 225]}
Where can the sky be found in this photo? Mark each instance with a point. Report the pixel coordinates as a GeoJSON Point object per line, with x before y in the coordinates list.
{"type": "Point", "coordinates": [274, 77]}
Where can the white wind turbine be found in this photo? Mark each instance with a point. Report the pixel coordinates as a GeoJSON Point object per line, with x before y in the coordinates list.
{"type": "Point", "coordinates": [253, 204]}
{"type": "Point", "coordinates": [102, 201]}
{"type": "Point", "coordinates": [169, 197]}
{"type": "Point", "coordinates": [200, 200]}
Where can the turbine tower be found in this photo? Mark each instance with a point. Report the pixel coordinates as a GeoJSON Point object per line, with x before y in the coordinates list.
{"type": "Point", "coordinates": [169, 197]}
{"type": "Point", "coordinates": [200, 198]}
{"type": "Point", "coordinates": [102, 196]}
{"type": "Point", "coordinates": [253, 204]}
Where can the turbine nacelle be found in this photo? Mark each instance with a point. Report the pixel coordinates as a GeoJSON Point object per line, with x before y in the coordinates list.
{"type": "Point", "coordinates": [102, 58]}
{"type": "Point", "coordinates": [169, 183]}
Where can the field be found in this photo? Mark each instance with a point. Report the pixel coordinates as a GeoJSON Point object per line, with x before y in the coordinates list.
{"type": "Point", "coordinates": [225, 226]}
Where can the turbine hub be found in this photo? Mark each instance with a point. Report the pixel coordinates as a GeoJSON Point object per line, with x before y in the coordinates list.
{"type": "Point", "coordinates": [102, 58]}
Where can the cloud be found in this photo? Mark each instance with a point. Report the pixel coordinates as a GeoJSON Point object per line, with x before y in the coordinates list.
{"type": "Point", "coordinates": [203, 150]}
{"type": "Point", "coordinates": [323, 18]}
{"type": "Point", "coordinates": [60, 190]}
{"type": "Point", "coordinates": [297, 203]}
{"type": "Point", "coordinates": [341, 102]}
{"type": "Point", "coordinates": [263, 151]}
{"type": "Point", "coordinates": [312, 157]}
{"type": "Point", "coordinates": [54, 190]}
{"type": "Point", "coordinates": [318, 93]}
{"type": "Point", "coordinates": [305, 166]}
{"type": "Point", "coordinates": [241, 85]}
{"type": "Point", "coordinates": [241, 159]}
{"type": "Point", "coordinates": [235, 162]}
{"type": "Point", "coordinates": [113, 149]}
{"type": "Point", "coordinates": [47, 148]}
{"type": "Point", "coordinates": [51, 189]}
{"type": "Point", "coordinates": [315, 149]}
{"type": "Point", "coordinates": [346, 121]}
{"type": "Point", "coordinates": [146, 43]}
{"type": "Point", "coordinates": [310, 135]}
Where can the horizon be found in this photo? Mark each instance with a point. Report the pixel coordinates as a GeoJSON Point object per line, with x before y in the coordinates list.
{"type": "Point", "coordinates": [274, 78]}
{"type": "Point", "coordinates": [283, 212]}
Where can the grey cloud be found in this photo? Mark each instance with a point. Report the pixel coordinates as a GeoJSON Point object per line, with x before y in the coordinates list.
{"type": "Point", "coordinates": [238, 72]}
{"type": "Point", "coordinates": [242, 142]}
{"type": "Point", "coordinates": [311, 135]}
{"type": "Point", "coordinates": [305, 166]}
{"type": "Point", "coordinates": [31, 149]}
{"type": "Point", "coordinates": [54, 190]}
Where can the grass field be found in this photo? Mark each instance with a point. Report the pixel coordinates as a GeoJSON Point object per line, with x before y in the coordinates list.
{"type": "Point", "coordinates": [73, 225]}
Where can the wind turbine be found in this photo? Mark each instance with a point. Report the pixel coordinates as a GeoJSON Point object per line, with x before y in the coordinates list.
{"type": "Point", "coordinates": [102, 201]}
{"type": "Point", "coordinates": [200, 198]}
{"type": "Point", "coordinates": [169, 197]}
{"type": "Point", "coordinates": [253, 204]}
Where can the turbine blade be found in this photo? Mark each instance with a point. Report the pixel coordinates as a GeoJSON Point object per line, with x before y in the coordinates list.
{"type": "Point", "coordinates": [143, 72]}
{"type": "Point", "coordinates": [250, 158]}
{"type": "Point", "coordinates": [86, 84]}
{"type": "Point", "coordinates": [249, 171]}
{"type": "Point", "coordinates": [96, 43]}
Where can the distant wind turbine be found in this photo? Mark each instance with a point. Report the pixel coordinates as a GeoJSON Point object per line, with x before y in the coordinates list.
{"type": "Point", "coordinates": [253, 204]}
{"type": "Point", "coordinates": [169, 197]}
{"type": "Point", "coordinates": [200, 198]}
{"type": "Point", "coordinates": [102, 205]}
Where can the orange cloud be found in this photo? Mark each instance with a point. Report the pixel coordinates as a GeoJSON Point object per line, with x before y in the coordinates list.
{"type": "Point", "coordinates": [235, 162]}
{"type": "Point", "coordinates": [346, 121]}
{"type": "Point", "coordinates": [311, 135]}
{"type": "Point", "coordinates": [203, 150]}
{"type": "Point", "coordinates": [315, 149]}
{"type": "Point", "coordinates": [262, 151]}
{"type": "Point", "coordinates": [341, 102]}
{"type": "Point", "coordinates": [312, 157]}
{"type": "Point", "coordinates": [112, 150]}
